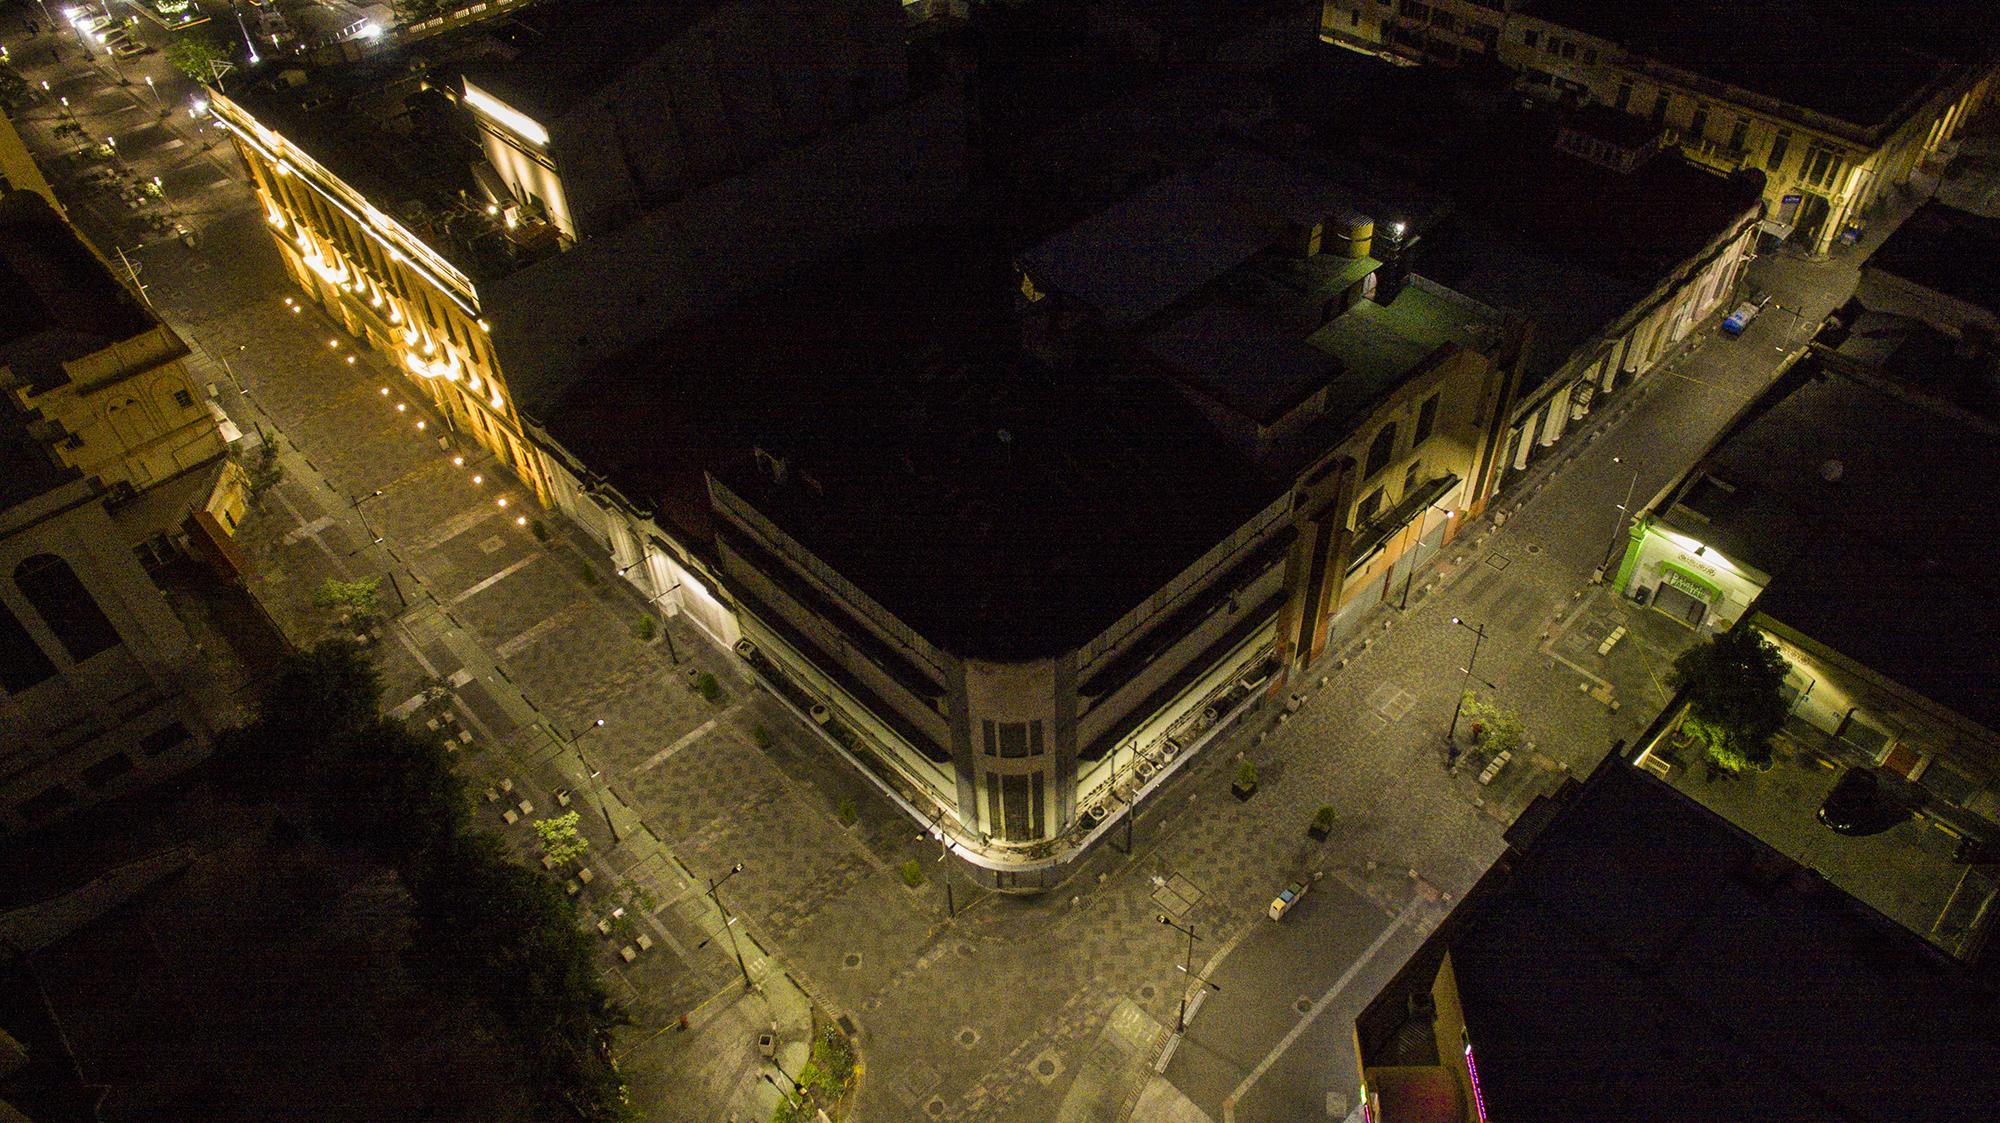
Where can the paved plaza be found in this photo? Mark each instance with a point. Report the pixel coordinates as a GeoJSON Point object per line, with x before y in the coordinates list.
{"type": "Point", "coordinates": [989, 1007]}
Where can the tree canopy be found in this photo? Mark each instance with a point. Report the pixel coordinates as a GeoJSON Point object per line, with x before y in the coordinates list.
{"type": "Point", "coordinates": [1734, 690]}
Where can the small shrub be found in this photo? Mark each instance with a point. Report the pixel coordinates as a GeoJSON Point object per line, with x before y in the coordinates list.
{"type": "Point", "coordinates": [706, 686]}
{"type": "Point", "coordinates": [760, 736]}
{"type": "Point", "coordinates": [831, 1054]}
{"type": "Point", "coordinates": [356, 598]}
{"type": "Point", "coordinates": [589, 575]}
{"type": "Point", "coordinates": [1323, 818]}
{"type": "Point", "coordinates": [646, 628]}
{"type": "Point", "coordinates": [913, 873]}
{"type": "Point", "coordinates": [1246, 775]}
{"type": "Point", "coordinates": [847, 811]}
{"type": "Point", "coordinates": [541, 532]}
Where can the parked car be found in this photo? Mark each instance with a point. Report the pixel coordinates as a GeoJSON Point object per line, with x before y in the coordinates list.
{"type": "Point", "coordinates": [1858, 805]}
{"type": "Point", "coordinates": [1736, 321]}
{"type": "Point", "coordinates": [1286, 898]}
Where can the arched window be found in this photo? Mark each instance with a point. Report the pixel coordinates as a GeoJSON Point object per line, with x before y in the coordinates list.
{"type": "Point", "coordinates": [22, 663]}
{"type": "Point", "coordinates": [65, 605]}
{"type": "Point", "coordinates": [1380, 452]}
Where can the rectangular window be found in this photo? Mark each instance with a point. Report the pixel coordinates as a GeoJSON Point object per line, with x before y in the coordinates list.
{"type": "Point", "coordinates": [1427, 415]}
{"type": "Point", "coordinates": [1660, 104]}
{"type": "Point", "coordinates": [1532, 38]}
{"type": "Point", "coordinates": [1776, 160]}
{"type": "Point", "coordinates": [1013, 739]}
{"type": "Point", "coordinates": [1739, 134]}
{"type": "Point", "coordinates": [1590, 56]}
{"type": "Point", "coordinates": [1371, 506]}
{"type": "Point", "coordinates": [1411, 477]}
{"type": "Point", "coordinates": [183, 399]}
{"type": "Point", "coordinates": [1698, 126]}
{"type": "Point", "coordinates": [1624, 99]}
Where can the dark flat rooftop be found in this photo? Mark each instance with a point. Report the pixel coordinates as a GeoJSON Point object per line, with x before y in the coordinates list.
{"type": "Point", "coordinates": [1173, 238]}
{"type": "Point", "coordinates": [1011, 546]}
{"type": "Point", "coordinates": [58, 301]}
{"type": "Point", "coordinates": [568, 51]}
{"type": "Point", "coordinates": [1644, 959]}
{"type": "Point", "coordinates": [1000, 510]}
{"type": "Point", "coordinates": [1946, 250]}
{"type": "Point", "coordinates": [1833, 490]}
{"type": "Point", "coordinates": [1854, 60]}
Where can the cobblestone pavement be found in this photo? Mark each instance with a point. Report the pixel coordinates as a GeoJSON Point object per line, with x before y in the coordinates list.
{"type": "Point", "coordinates": [972, 1006]}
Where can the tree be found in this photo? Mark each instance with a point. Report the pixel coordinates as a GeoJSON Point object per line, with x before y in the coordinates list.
{"type": "Point", "coordinates": [506, 935]}
{"type": "Point", "coordinates": [1498, 729]}
{"type": "Point", "coordinates": [388, 791]}
{"type": "Point", "coordinates": [13, 87]}
{"type": "Point", "coordinates": [199, 54]}
{"type": "Point", "coordinates": [560, 838]}
{"type": "Point", "coordinates": [1733, 685]}
{"type": "Point", "coordinates": [327, 690]}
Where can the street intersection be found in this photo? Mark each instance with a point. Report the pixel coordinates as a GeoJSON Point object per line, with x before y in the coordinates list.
{"type": "Point", "coordinates": [1030, 1009]}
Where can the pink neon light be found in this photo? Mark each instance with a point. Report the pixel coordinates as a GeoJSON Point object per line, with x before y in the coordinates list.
{"type": "Point", "coordinates": [1472, 1070]}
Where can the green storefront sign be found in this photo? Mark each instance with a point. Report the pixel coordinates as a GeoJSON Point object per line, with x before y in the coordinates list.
{"type": "Point", "coordinates": [1689, 582]}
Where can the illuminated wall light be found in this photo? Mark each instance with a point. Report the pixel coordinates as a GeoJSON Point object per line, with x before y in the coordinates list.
{"type": "Point", "coordinates": [502, 501]}
{"type": "Point", "coordinates": [478, 479]}
{"type": "Point", "coordinates": [520, 520]}
{"type": "Point", "coordinates": [435, 268]}
{"type": "Point", "coordinates": [333, 344]}
{"type": "Point", "coordinates": [400, 407]}
{"type": "Point", "coordinates": [350, 360]}
{"type": "Point", "coordinates": [506, 116]}
{"type": "Point", "coordinates": [385, 391]}
{"type": "Point", "coordinates": [296, 309]}
{"type": "Point", "coordinates": [458, 461]}
{"type": "Point", "coordinates": [1472, 1070]}
{"type": "Point", "coordinates": [421, 425]}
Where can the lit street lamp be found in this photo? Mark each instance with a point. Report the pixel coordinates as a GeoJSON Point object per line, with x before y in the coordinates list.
{"type": "Point", "coordinates": [944, 848]}
{"type": "Point", "coordinates": [728, 922]}
{"type": "Point", "coordinates": [1618, 531]}
{"type": "Point", "coordinates": [355, 501]}
{"type": "Point", "coordinates": [1478, 637]}
{"type": "Point", "coordinates": [594, 777]}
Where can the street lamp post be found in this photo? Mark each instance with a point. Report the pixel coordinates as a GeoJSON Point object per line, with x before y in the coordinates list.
{"type": "Point", "coordinates": [355, 501]}
{"type": "Point", "coordinates": [594, 777]}
{"type": "Point", "coordinates": [713, 886]}
{"type": "Point", "coordinates": [1410, 574]}
{"type": "Point", "coordinates": [1624, 513]}
{"type": "Point", "coordinates": [944, 849]}
{"type": "Point", "coordinates": [1187, 968]}
{"type": "Point", "coordinates": [158, 102]}
{"type": "Point", "coordinates": [1478, 637]}
{"type": "Point", "coordinates": [665, 632]}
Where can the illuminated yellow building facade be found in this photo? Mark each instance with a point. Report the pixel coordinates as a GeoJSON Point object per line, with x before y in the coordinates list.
{"type": "Point", "coordinates": [386, 286]}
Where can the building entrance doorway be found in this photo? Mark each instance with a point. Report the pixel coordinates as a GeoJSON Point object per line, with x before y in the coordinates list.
{"type": "Point", "coordinates": [1680, 605]}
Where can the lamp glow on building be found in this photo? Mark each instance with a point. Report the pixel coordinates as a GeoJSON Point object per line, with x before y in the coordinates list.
{"type": "Point", "coordinates": [506, 116]}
